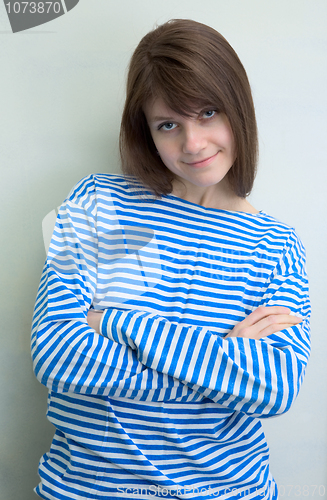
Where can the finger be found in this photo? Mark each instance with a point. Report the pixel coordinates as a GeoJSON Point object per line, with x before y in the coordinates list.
{"type": "Point", "coordinates": [279, 319]}
{"type": "Point", "coordinates": [275, 321]}
{"type": "Point", "coordinates": [267, 326]}
{"type": "Point", "coordinates": [93, 312]}
{"type": "Point", "coordinates": [270, 330]}
{"type": "Point", "coordinates": [262, 312]}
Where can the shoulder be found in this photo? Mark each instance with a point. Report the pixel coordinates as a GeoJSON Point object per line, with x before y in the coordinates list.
{"type": "Point", "coordinates": [105, 186]}
{"type": "Point", "coordinates": [292, 250]}
{"type": "Point", "coordinates": [276, 226]}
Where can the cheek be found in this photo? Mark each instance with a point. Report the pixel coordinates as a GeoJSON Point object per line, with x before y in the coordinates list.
{"type": "Point", "coordinates": [156, 141]}
{"type": "Point", "coordinates": [229, 140]}
{"type": "Point", "coordinates": [165, 149]}
{"type": "Point", "coordinates": [226, 133]}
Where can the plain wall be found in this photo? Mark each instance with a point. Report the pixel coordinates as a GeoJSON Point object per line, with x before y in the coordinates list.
{"type": "Point", "coordinates": [62, 92]}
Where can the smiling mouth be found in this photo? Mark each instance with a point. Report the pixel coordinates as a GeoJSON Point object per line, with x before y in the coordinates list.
{"type": "Point", "coordinates": [204, 162]}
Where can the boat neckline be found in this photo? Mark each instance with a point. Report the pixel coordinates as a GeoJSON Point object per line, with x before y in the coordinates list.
{"type": "Point", "coordinates": [236, 212]}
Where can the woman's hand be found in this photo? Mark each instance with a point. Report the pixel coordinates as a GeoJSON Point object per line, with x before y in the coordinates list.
{"type": "Point", "coordinates": [264, 321]}
{"type": "Point", "coordinates": [94, 318]}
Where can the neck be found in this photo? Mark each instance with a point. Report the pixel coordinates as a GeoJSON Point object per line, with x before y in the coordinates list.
{"type": "Point", "coordinates": [219, 196]}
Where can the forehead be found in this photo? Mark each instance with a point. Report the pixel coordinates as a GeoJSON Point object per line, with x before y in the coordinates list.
{"type": "Point", "coordinates": [156, 109]}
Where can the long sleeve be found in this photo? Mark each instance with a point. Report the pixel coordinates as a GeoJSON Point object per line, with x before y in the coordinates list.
{"type": "Point", "coordinates": [161, 397]}
{"type": "Point", "coordinates": [67, 354]}
{"type": "Point", "coordinates": [260, 378]}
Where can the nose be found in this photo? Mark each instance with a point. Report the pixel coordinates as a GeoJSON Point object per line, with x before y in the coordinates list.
{"type": "Point", "coordinates": [194, 139]}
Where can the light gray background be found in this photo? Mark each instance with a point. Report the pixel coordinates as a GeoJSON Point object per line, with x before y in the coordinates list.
{"type": "Point", "coordinates": [62, 88]}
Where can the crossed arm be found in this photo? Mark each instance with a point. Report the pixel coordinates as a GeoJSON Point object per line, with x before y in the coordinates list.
{"type": "Point", "coordinates": [238, 371]}
{"type": "Point", "coordinates": [262, 322]}
{"type": "Point", "coordinates": [257, 368]}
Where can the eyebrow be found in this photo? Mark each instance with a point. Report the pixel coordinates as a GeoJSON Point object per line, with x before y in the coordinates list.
{"type": "Point", "coordinates": [170, 118]}
{"type": "Point", "coordinates": [162, 119]}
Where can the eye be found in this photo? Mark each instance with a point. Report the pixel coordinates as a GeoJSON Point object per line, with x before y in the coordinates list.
{"type": "Point", "coordinates": [209, 113]}
{"type": "Point", "coordinates": [167, 126]}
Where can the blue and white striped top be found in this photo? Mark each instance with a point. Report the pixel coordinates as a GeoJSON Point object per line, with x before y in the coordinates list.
{"type": "Point", "coordinates": [160, 405]}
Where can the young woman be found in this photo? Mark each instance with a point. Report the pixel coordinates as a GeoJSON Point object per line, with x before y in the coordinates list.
{"type": "Point", "coordinates": [171, 314]}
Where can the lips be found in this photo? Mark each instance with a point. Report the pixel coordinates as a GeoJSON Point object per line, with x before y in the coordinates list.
{"type": "Point", "coordinates": [204, 162]}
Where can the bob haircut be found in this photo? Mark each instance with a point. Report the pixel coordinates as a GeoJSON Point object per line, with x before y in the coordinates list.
{"type": "Point", "coordinates": [190, 66]}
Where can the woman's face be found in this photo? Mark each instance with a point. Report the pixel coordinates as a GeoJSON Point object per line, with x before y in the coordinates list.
{"type": "Point", "coordinates": [200, 149]}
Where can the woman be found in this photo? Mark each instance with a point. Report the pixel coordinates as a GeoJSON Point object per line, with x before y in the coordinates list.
{"type": "Point", "coordinates": [171, 313]}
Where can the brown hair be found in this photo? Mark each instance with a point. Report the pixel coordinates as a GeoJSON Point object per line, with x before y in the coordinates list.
{"type": "Point", "coordinates": [189, 65]}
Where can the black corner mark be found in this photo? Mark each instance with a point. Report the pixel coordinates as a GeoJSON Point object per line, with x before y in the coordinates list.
{"type": "Point", "coordinates": [24, 15]}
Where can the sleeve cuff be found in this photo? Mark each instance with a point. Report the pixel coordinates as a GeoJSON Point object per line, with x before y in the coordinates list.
{"type": "Point", "coordinates": [114, 323]}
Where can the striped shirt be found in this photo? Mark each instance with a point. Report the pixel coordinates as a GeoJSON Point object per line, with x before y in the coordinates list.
{"type": "Point", "coordinates": [160, 404]}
